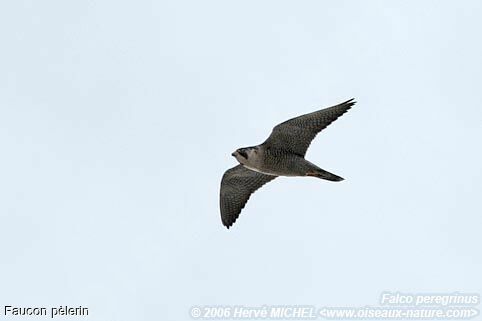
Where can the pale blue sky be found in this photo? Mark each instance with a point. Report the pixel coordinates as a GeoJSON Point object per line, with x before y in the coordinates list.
{"type": "Point", "coordinates": [118, 118]}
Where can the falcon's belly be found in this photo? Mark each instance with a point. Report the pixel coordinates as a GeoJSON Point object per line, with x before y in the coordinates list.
{"type": "Point", "coordinates": [280, 165]}
{"type": "Point", "coordinates": [267, 172]}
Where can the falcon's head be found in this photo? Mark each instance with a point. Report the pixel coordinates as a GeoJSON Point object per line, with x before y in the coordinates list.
{"type": "Point", "coordinates": [245, 154]}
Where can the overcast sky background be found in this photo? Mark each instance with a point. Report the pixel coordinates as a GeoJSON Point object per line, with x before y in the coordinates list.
{"type": "Point", "coordinates": [118, 118]}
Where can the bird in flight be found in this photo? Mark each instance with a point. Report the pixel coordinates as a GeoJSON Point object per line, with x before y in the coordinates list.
{"type": "Point", "coordinates": [282, 154]}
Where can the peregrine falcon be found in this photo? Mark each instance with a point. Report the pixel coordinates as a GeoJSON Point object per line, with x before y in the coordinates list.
{"type": "Point", "coordinates": [282, 154]}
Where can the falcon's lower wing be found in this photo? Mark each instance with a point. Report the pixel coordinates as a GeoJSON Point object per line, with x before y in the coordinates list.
{"type": "Point", "coordinates": [237, 185]}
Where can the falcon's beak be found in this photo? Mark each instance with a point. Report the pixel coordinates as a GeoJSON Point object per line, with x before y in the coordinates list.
{"type": "Point", "coordinates": [233, 154]}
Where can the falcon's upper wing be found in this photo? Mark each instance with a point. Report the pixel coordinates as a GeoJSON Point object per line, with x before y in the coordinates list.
{"type": "Point", "coordinates": [237, 185]}
{"type": "Point", "coordinates": [295, 135]}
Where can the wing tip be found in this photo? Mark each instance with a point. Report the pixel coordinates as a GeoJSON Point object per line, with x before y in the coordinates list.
{"type": "Point", "coordinates": [228, 224]}
{"type": "Point", "coordinates": [349, 103]}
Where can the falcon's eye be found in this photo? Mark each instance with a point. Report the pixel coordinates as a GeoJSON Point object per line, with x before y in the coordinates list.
{"type": "Point", "coordinates": [242, 152]}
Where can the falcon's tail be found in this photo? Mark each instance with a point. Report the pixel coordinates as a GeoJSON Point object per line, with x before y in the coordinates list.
{"type": "Point", "coordinates": [321, 173]}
